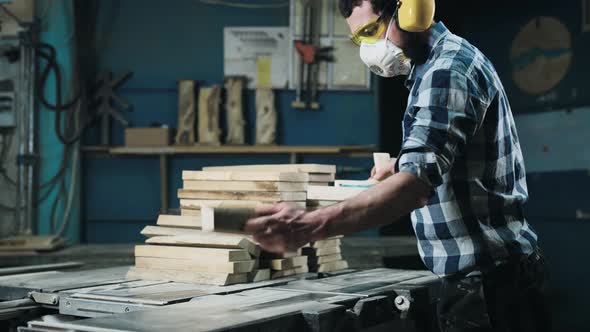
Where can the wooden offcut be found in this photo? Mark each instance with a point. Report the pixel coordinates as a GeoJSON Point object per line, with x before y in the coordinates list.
{"type": "Point", "coordinates": [298, 168]}
{"type": "Point", "coordinates": [195, 265]}
{"type": "Point", "coordinates": [288, 263]}
{"type": "Point", "coordinates": [190, 212]}
{"type": "Point", "coordinates": [179, 221]}
{"type": "Point", "coordinates": [242, 195]}
{"type": "Point", "coordinates": [244, 186]}
{"type": "Point", "coordinates": [321, 177]}
{"type": "Point", "coordinates": [206, 240]}
{"type": "Point", "coordinates": [275, 175]}
{"type": "Point", "coordinates": [289, 272]}
{"type": "Point", "coordinates": [209, 102]}
{"type": "Point", "coordinates": [224, 219]}
{"type": "Point", "coordinates": [207, 278]}
{"type": "Point", "coordinates": [318, 260]}
{"type": "Point", "coordinates": [333, 266]}
{"type": "Point", "coordinates": [332, 193]}
{"type": "Point", "coordinates": [212, 254]}
{"type": "Point", "coordinates": [259, 275]}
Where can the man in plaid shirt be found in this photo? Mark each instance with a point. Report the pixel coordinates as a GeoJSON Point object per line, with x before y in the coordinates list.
{"type": "Point", "coordinates": [460, 172]}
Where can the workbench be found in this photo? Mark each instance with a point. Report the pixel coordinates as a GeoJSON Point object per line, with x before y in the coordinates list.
{"type": "Point", "coordinates": [100, 298]}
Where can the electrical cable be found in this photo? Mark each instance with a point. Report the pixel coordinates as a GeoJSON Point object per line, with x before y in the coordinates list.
{"type": "Point", "coordinates": [245, 5]}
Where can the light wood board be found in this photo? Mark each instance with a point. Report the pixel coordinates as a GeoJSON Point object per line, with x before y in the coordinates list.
{"type": "Point", "coordinates": [298, 168]}
{"type": "Point", "coordinates": [243, 195]}
{"type": "Point", "coordinates": [333, 266]}
{"type": "Point", "coordinates": [259, 275]}
{"type": "Point", "coordinates": [246, 176]}
{"type": "Point", "coordinates": [321, 177]}
{"type": "Point", "coordinates": [206, 278]}
{"type": "Point", "coordinates": [196, 204]}
{"type": "Point", "coordinates": [289, 272]}
{"type": "Point", "coordinates": [326, 243]}
{"type": "Point", "coordinates": [287, 263]}
{"type": "Point", "coordinates": [332, 193]}
{"type": "Point", "coordinates": [194, 265]}
{"type": "Point", "coordinates": [194, 253]}
{"type": "Point", "coordinates": [190, 212]}
{"type": "Point", "coordinates": [317, 260]}
{"type": "Point", "coordinates": [179, 221]}
{"type": "Point", "coordinates": [207, 185]}
{"type": "Point", "coordinates": [204, 240]}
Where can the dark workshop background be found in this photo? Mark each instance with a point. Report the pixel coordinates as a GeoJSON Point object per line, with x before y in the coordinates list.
{"type": "Point", "coordinates": [162, 41]}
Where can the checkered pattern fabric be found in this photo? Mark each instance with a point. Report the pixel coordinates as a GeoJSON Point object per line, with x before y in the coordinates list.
{"type": "Point", "coordinates": [460, 138]}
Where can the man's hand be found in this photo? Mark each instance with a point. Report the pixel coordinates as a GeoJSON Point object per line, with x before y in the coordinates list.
{"type": "Point", "coordinates": [284, 227]}
{"type": "Point", "coordinates": [385, 172]}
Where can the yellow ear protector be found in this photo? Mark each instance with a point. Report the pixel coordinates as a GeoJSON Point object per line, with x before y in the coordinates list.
{"type": "Point", "coordinates": [415, 15]}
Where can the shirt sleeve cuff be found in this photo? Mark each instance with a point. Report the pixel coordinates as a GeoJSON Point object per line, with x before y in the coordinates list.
{"type": "Point", "coordinates": [423, 165]}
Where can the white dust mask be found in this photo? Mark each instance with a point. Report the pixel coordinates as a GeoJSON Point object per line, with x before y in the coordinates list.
{"type": "Point", "coordinates": [384, 58]}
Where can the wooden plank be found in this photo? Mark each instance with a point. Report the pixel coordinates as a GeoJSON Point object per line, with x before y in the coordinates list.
{"type": "Point", "coordinates": [332, 193]}
{"type": "Point", "coordinates": [321, 251]}
{"type": "Point", "coordinates": [301, 168]}
{"type": "Point", "coordinates": [259, 275]}
{"type": "Point", "coordinates": [196, 204]}
{"type": "Point", "coordinates": [326, 243]}
{"type": "Point", "coordinates": [333, 266]}
{"type": "Point", "coordinates": [324, 184]}
{"type": "Point", "coordinates": [206, 185]}
{"type": "Point", "coordinates": [317, 260]}
{"type": "Point", "coordinates": [224, 219]}
{"type": "Point", "coordinates": [6, 271]}
{"type": "Point", "coordinates": [243, 195]}
{"type": "Point", "coordinates": [190, 212]}
{"type": "Point", "coordinates": [289, 272]}
{"type": "Point", "coordinates": [179, 221]}
{"type": "Point", "coordinates": [355, 183]}
{"type": "Point", "coordinates": [206, 240]}
{"type": "Point", "coordinates": [265, 255]}
{"type": "Point", "coordinates": [287, 263]}
{"type": "Point", "coordinates": [31, 242]}
{"type": "Point", "coordinates": [206, 278]}
{"type": "Point", "coordinates": [216, 254]}
{"type": "Point", "coordinates": [194, 265]}
{"type": "Point", "coordinates": [321, 177]}
{"type": "Point", "coordinates": [245, 176]}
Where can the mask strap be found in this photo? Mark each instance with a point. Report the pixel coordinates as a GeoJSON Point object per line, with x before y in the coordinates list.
{"type": "Point", "coordinates": [389, 27]}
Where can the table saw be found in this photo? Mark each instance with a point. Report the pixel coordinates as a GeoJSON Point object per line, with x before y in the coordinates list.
{"type": "Point", "coordinates": [103, 300]}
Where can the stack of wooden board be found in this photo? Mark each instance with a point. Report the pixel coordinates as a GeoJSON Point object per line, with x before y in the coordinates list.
{"type": "Point", "coordinates": [325, 255]}
{"type": "Point", "coordinates": [248, 186]}
{"type": "Point", "coordinates": [285, 264]}
{"type": "Point", "coordinates": [178, 250]}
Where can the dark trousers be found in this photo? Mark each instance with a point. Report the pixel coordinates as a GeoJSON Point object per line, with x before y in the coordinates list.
{"type": "Point", "coordinates": [509, 297]}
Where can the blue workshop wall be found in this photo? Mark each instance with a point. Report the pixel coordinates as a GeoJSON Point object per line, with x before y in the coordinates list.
{"type": "Point", "coordinates": [161, 42]}
{"type": "Point", "coordinates": [553, 128]}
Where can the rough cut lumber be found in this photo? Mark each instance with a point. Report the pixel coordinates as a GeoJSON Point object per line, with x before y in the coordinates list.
{"type": "Point", "coordinates": [288, 263]}
{"type": "Point", "coordinates": [197, 265]}
{"type": "Point", "coordinates": [179, 221]}
{"type": "Point", "coordinates": [190, 212]}
{"type": "Point", "coordinates": [196, 204]}
{"type": "Point", "coordinates": [289, 272]}
{"type": "Point", "coordinates": [321, 251]}
{"type": "Point", "coordinates": [299, 168]}
{"type": "Point", "coordinates": [318, 260]}
{"type": "Point", "coordinates": [333, 266]}
{"type": "Point", "coordinates": [213, 254]}
{"type": "Point", "coordinates": [244, 195]}
{"type": "Point", "coordinates": [208, 240]}
{"type": "Point", "coordinates": [321, 177]}
{"type": "Point", "coordinates": [246, 176]}
{"type": "Point", "coordinates": [205, 185]}
{"type": "Point", "coordinates": [223, 219]}
{"type": "Point", "coordinates": [259, 275]}
{"type": "Point", "coordinates": [332, 193]}
{"type": "Point", "coordinates": [324, 184]}
{"type": "Point", "coordinates": [326, 243]}
{"type": "Point", "coordinates": [207, 278]}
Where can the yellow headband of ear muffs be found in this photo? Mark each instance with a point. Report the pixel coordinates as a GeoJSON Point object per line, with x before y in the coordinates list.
{"type": "Point", "coordinates": [415, 15]}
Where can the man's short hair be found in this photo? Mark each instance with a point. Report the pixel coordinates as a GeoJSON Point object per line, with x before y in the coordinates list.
{"type": "Point", "coordinates": [385, 6]}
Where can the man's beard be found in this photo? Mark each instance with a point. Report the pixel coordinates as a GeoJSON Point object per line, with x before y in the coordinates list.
{"type": "Point", "coordinates": [416, 47]}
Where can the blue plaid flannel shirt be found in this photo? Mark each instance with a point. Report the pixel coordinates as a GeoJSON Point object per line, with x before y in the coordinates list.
{"type": "Point", "coordinates": [460, 138]}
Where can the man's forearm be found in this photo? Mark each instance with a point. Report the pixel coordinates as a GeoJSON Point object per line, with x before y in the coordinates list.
{"type": "Point", "coordinates": [382, 204]}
